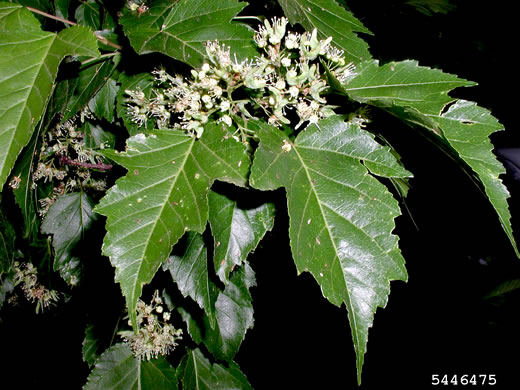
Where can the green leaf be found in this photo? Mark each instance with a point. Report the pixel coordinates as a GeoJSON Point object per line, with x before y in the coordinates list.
{"type": "Point", "coordinates": [118, 369]}
{"type": "Point", "coordinates": [96, 137]}
{"type": "Point", "coordinates": [419, 95]}
{"type": "Point", "coordinates": [103, 103]}
{"type": "Point", "coordinates": [74, 94]}
{"type": "Point", "coordinates": [234, 315]}
{"type": "Point", "coordinates": [62, 8]}
{"type": "Point", "coordinates": [88, 14]}
{"type": "Point", "coordinates": [403, 84]}
{"type": "Point", "coordinates": [13, 17]}
{"type": "Point", "coordinates": [229, 312]}
{"type": "Point", "coordinates": [197, 373]}
{"type": "Point", "coordinates": [28, 68]}
{"type": "Point", "coordinates": [189, 270]}
{"type": "Point", "coordinates": [158, 374]}
{"type": "Point", "coordinates": [181, 29]}
{"type": "Point", "coordinates": [67, 220]}
{"type": "Point", "coordinates": [467, 128]}
{"type": "Point", "coordinates": [25, 196]}
{"type": "Point", "coordinates": [7, 246]}
{"type": "Point", "coordinates": [331, 20]}
{"type": "Point", "coordinates": [237, 231]}
{"type": "Point", "coordinates": [90, 349]}
{"type": "Point", "coordinates": [341, 217]}
{"type": "Point", "coordinates": [163, 195]}
{"type": "Point", "coordinates": [430, 7]}
{"type": "Point", "coordinates": [193, 327]}
{"type": "Point", "coordinates": [504, 288]}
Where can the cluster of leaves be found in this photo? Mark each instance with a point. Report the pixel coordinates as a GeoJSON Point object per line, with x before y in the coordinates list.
{"type": "Point", "coordinates": [62, 121]}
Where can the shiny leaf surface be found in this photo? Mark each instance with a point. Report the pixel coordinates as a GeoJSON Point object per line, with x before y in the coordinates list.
{"type": "Point", "coordinates": [67, 220]}
{"type": "Point", "coordinates": [163, 195]}
{"type": "Point", "coordinates": [331, 20]}
{"type": "Point", "coordinates": [28, 66]}
{"type": "Point", "coordinates": [237, 231]}
{"type": "Point", "coordinates": [118, 369]}
{"type": "Point", "coordinates": [234, 315]}
{"type": "Point", "coordinates": [419, 95]}
{"type": "Point", "coordinates": [180, 29]}
{"type": "Point", "coordinates": [189, 270]}
{"type": "Point", "coordinates": [196, 372]}
{"type": "Point", "coordinates": [341, 217]}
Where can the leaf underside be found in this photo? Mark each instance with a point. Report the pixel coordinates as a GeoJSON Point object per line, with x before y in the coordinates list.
{"type": "Point", "coordinates": [341, 217]}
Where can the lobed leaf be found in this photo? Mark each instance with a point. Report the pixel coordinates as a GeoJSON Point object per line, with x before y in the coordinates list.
{"type": "Point", "coordinates": [180, 29]}
{"type": "Point", "coordinates": [14, 17]}
{"type": "Point", "coordinates": [163, 195]}
{"type": "Point", "coordinates": [196, 372]}
{"type": "Point", "coordinates": [234, 315]}
{"type": "Point", "coordinates": [229, 312]}
{"type": "Point", "coordinates": [103, 103]}
{"type": "Point", "coordinates": [67, 220]}
{"type": "Point", "coordinates": [118, 369]}
{"type": "Point", "coordinates": [419, 95]}
{"type": "Point", "coordinates": [237, 231]}
{"type": "Point", "coordinates": [75, 93]}
{"type": "Point", "coordinates": [28, 68]}
{"type": "Point", "coordinates": [341, 217]}
{"type": "Point", "coordinates": [88, 14]}
{"type": "Point", "coordinates": [467, 128]}
{"type": "Point", "coordinates": [189, 271]}
{"type": "Point", "coordinates": [331, 20]}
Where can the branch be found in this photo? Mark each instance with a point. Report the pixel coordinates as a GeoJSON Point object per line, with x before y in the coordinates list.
{"type": "Point", "coordinates": [67, 161]}
{"type": "Point", "coordinates": [102, 39]}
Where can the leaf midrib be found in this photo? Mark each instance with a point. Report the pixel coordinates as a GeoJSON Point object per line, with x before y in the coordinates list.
{"type": "Point", "coordinates": [26, 100]}
{"type": "Point", "coordinates": [336, 258]}
{"type": "Point", "coordinates": [148, 239]}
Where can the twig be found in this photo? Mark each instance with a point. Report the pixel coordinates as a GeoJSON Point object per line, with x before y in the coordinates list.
{"type": "Point", "coordinates": [104, 167]}
{"type": "Point", "coordinates": [101, 38]}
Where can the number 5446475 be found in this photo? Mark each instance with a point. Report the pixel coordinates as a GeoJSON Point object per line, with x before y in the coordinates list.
{"type": "Point", "coordinates": [464, 380]}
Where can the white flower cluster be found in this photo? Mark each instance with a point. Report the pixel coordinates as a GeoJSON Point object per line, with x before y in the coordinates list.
{"type": "Point", "coordinates": [154, 337]}
{"type": "Point", "coordinates": [285, 76]}
{"type": "Point", "coordinates": [26, 275]}
{"type": "Point", "coordinates": [63, 161]}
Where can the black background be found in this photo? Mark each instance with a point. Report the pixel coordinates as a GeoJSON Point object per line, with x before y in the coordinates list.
{"type": "Point", "coordinates": [436, 323]}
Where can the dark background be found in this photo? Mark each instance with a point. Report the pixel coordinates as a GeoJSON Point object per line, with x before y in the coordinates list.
{"type": "Point", "coordinates": [456, 251]}
{"type": "Point", "coordinates": [438, 322]}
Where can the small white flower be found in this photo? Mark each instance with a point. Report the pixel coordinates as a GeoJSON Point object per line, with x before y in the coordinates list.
{"type": "Point", "coordinates": [227, 120]}
{"type": "Point", "coordinates": [286, 147]}
{"type": "Point", "coordinates": [225, 105]}
{"type": "Point", "coordinates": [294, 91]}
